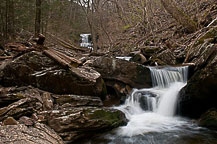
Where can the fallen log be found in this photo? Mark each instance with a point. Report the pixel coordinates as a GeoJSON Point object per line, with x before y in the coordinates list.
{"type": "Point", "coordinates": [62, 59]}
{"type": "Point", "coordinates": [56, 58]}
{"type": "Point", "coordinates": [66, 44]}
{"type": "Point", "coordinates": [73, 62]}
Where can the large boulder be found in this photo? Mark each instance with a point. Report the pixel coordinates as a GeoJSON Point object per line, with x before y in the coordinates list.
{"type": "Point", "coordinates": [130, 73]}
{"type": "Point", "coordinates": [20, 134]}
{"type": "Point", "coordinates": [25, 101]}
{"type": "Point", "coordinates": [74, 123]}
{"type": "Point", "coordinates": [139, 58]}
{"type": "Point", "coordinates": [36, 69]}
{"type": "Point", "coordinates": [71, 116]}
{"type": "Point", "coordinates": [199, 94]}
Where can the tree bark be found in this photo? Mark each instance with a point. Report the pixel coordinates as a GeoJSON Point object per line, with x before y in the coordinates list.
{"type": "Point", "coordinates": [179, 15]}
{"type": "Point", "coordinates": [38, 17]}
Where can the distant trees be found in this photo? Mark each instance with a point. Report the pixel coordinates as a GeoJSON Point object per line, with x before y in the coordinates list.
{"type": "Point", "coordinates": [60, 17]}
{"type": "Point", "coordinates": [113, 23]}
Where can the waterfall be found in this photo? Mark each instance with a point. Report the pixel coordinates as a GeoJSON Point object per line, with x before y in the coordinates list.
{"type": "Point", "coordinates": [152, 109]}
{"type": "Point", "coordinates": [164, 77]}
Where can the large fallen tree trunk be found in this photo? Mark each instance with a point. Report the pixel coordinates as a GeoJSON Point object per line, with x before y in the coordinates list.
{"type": "Point", "coordinates": [66, 44]}
{"type": "Point", "coordinates": [62, 59]}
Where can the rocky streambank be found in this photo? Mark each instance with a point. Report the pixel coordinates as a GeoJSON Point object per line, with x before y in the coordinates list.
{"type": "Point", "coordinates": [44, 99]}
{"type": "Point", "coordinates": [43, 102]}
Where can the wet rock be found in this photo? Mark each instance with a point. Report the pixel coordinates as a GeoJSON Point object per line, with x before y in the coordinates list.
{"type": "Point", "coordinates": [39, 134]}
{"type": "Point", "coordinates": [130, 73]}
{"type": "Point", "coordinates": [36, 69]}
{"type": "Point", "coordinates": [74, 123]}
{"type": "Point", "coordinates": [10, 121]}
{"type": "Point", "coordinates": [209, 119]}
{"type": "Point", "coordinates": [199, 94]}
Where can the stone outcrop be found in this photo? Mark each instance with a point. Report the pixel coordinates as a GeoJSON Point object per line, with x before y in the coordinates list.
{"type": "Point", "coordinates": [200, 93]}
{"type": "Point", "coordinates": [36, 69]}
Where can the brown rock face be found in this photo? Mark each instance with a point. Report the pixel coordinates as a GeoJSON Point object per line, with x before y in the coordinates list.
{"type": "Point", "coordinates": [37, 70]}
{"type": "Point", "coordinates": [20, 134]}
{"type": "Point", "coordinates": [200, 93]}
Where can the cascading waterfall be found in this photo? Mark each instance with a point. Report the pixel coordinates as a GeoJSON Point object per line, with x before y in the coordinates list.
{"type": "Point", "coordinates": [152, 110]}
{"type": "Point", "coordinates": [151, 114]}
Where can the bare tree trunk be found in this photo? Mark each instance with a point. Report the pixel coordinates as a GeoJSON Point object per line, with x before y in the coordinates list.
{"type": "Point", "coordinates": [9, 19]}
{"type": "Point", "coordinates": [6, 19]}
{"type": "Point", "coordinates": [38, 17]}
{"type": "Point", "coordinates": [179, 15]}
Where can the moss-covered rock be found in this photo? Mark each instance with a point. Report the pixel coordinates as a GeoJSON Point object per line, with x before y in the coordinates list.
{"type": "Point", "coordinates": [113, 118]}
{"type": "Point", "coordinates": [74, 123]}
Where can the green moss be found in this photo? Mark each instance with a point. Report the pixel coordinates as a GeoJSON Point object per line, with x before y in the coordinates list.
{"type": "Point", "coordinates": [113, 118]}
{"type": "Point", "coordinates": [126, 27]}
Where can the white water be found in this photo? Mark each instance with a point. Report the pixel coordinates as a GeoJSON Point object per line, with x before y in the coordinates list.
{"type": "Point", "coordinates": [153, 109]}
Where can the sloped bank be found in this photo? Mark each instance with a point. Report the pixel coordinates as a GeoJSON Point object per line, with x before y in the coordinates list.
{"type": "Point", "coordinates": [199, 94]}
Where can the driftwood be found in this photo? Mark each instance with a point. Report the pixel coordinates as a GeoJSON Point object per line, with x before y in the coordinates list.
{"type": "Point", "coordinates": [62, 59]}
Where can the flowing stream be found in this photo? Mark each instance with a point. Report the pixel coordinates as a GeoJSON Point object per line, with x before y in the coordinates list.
{"type": "Point", "coordinates": [151, 114]}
